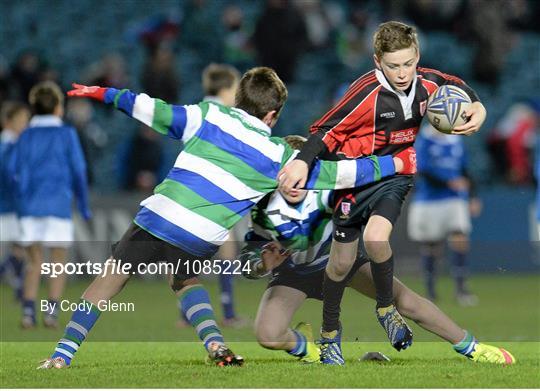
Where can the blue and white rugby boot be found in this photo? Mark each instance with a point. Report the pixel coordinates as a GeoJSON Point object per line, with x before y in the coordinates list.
{"type": "Point", "coordinates": [330, 345]}
{"type": "Point", "coordinates": [399, 334]}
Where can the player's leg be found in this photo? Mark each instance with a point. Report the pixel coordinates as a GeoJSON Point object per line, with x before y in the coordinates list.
{"type": "Point", "coordinates": [32, 279]}
{"type": "Point", "coordinates": [430, 252]}
{"type": "Point", "coordinates": [459, 227]}
{"type": "Point", "coordinates": [102, 289]}
{"type": "Point", "coordinates": [430, 317]}
{"type": "Point", "coordinates": [198, 311]}
{"type": "Point", "coordinates": [377, 243]}
{"type": "Point", "coordinates": [276, 310]}
{"type": "Point", "coordinates": [342, 255]}
{"type": "Point", "coordinates": [56, 287]}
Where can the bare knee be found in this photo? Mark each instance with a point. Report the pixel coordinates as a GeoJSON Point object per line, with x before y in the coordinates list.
{"type": "Point", "coordinates": [376, 242]}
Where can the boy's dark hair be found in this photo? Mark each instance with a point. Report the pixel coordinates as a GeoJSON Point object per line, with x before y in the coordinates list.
{"type": "Point", "coordinates": [261, 91]}
{"type": "Point", "coordinates": [216, 77]}
{"type": "Point", "coordinates": [44, 97]}
{"type": "Point", "coordinates": [295, 141]}
{"type": "Point", "coordinates": [393, 36]}
{"type": "Point", "coordinates": [10, 110]}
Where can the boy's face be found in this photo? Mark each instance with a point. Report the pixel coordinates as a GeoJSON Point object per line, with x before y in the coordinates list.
{"type": "Point", "coordinates": [19, 122]}
{"type": "Point", "coordinates": [295, 196]}
{"type": "Point", "coordinates": [399, 67]}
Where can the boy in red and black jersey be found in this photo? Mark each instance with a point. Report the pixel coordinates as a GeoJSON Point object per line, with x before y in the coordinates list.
{"type": "Point", "coordinates": [379, 114]}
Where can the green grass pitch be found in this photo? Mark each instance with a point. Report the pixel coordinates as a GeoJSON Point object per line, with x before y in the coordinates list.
{"type": "Point", "coordinates": [144, 349]}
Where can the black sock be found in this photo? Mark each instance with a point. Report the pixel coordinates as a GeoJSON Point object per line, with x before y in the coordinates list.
{"type": "Point", "coordinates": [383, 277]}
{"type": "Point", "coordinates": [332, 295]}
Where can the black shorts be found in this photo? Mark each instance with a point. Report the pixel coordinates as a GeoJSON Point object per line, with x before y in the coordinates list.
{"type": "Point", "coordinates": [354, 207]}
{"type": "Point", "coordinates": [139, 246]}
{"type": "Point", "coordinates": [311, 284]}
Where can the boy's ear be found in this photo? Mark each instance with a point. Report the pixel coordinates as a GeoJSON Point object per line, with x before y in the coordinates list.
{"type": "Point", "coordinates": [270, 118]}
{"type": "Point", "coordinates": [377, 62]}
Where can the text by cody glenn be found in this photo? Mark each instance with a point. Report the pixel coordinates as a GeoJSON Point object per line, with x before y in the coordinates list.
{"type": "Point", "coordinates": [111, 266]}
{"type": "Point", "coordinates": [102, 305]}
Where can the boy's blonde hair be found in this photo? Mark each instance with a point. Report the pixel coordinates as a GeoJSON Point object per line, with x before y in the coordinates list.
{"type": "Point", "coordinates": [295, 141]}
{"type": "Point", "coordinates": [393, 36]}
{"type": "Point", "coordinates": [44, 97]}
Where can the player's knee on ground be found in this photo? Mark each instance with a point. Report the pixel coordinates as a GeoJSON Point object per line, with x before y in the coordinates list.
{"type": "Point", "coordinates": [269, 336]}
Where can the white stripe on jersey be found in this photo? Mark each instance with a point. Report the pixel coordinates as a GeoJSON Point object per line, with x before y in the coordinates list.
{"type": "Point", "coordinates": [345, 178]}
{"type": "Point", "coordinates": [193, 121]}
{"type": "Point", "coordinates": [218, 176]}
{"type": "Point", "coordinates": [188, 220]}
{"type": "Point", "coordinates": [143, 109]}
{"type": "Point", "coordinates": [235, 128]}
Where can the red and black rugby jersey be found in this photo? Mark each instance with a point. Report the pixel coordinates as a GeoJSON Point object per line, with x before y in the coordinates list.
{"type": "Point", "coordinates": [374, 119]}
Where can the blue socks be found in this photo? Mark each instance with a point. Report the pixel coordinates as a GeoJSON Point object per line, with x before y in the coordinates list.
{"type": "Point", "coordinates": [198, 311]}
{"type": "Point", "coordinates": [300, 348]}
{"type": "Point", "coordinates": [466, 345]}
{"type": "Point", "coordinates": [77, 329]}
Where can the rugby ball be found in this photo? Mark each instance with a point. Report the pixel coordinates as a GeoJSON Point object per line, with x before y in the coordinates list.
{"type": "Point", "coordinates": [446, 108]}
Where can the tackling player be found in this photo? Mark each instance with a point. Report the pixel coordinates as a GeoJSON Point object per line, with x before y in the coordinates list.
{"type": "Point", "coordinates": [228, 164]}
{"type": "Point", "coordinates": [301, 222]}
{"type": "Point", "coordinates": [379, 114]}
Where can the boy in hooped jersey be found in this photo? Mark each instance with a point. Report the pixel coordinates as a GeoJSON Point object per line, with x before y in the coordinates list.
{"type": "Point", "coordinates": [228, 164]}
{"type": "Point", "coordinates": [290, 240]}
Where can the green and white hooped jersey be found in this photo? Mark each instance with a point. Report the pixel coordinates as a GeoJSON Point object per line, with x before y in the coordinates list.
{"type": "Point", "coordinates": [229, 162]}
{"type": "Point", "coordinates": [305, 229]}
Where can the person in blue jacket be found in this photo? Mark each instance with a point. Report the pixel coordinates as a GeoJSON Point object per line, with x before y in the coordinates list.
{"type": "Point", "coordinates": [441, 208]}
{"type": "Point", "coordinates": [48, 169]}
{"type": "Point", "coordinates": [15, 117]}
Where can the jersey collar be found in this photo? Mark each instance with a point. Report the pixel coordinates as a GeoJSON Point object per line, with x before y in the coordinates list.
{"type": "Point", "coordinates": [45, 121]}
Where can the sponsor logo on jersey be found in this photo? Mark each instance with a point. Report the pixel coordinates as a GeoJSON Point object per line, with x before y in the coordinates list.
{"type": "Point", "coordinates": [403, 136]}
{"type": "Point", "coordinates": [389, 114]}
{"type": "Point", "coordinates": [423, 106]}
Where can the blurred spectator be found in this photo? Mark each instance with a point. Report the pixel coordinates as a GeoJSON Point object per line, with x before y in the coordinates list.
{"type": "Point", "coordinates": [280, 38]}
{"type": "Point", "coordinates": [157, 29]}
{"type": "Point", "coordinates": [354, 43]}
{"type": "Point", "coordinates": [80, 113]}
{"type": "Point", "coordinates": [511, 143]}
{"type": "Point", "coordinates": [5, 85]}
{"type": "Point", "coordinates": [144, 159]}
{"type": "Point", "coordinates": [318, 20]}
{"type": "Point", "coordinates": [440, 15]}
{"type": "Point", "coordinates": [237, 47]}
{"type": "Point", "coordinates": [200, 30]}
{"type": "Point", "coordinates": [25, 73]}
{"type": "Point", "coordinates": [109, 71]}
{"type": "Point", "coordinates": [488, 21]}
{"type": "Point", "coordinates": [159, 78]}
{"type": "Point", "coordinates": [220, 82]}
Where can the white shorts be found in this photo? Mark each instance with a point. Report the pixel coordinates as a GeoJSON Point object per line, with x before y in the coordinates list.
{"type": "Point", "coordinates": [49, 231]}
{"type": "Point", "coordinates": [9, 227]}
{"type": "Point", "coordinates": [433, 221]}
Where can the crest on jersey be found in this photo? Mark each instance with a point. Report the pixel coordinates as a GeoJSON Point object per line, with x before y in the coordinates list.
{"type": "Point", "coordinates": [345, 208]}
{"type": "Point", "coordinates": [423, 106]}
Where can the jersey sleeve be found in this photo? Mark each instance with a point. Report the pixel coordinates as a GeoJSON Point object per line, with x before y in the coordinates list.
{"type": "Point", "coordinates": [346, 174]}
{"type": "Point", "coordinates": [177, 122]}
{"type": "Point", "coordinates": [439, 78]}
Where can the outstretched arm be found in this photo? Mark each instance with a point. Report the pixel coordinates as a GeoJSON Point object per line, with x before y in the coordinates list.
{"type": "Point", "coordinates": [345, 174]}
{"type": "Point", "coordinates": [178, 122]}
